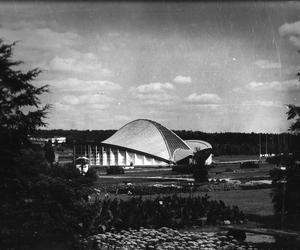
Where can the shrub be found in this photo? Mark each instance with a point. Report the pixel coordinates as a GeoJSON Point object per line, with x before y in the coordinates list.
{"type": "Point", "coordinates": [200, 174]}
{"type": "Point", "coordinates": [115, 170]}
{"type": "Point", "coordinates": [183, 169]}
{"type": "Point", "coordinates": [285, 195]}
{"type": "Point", "coordinates": [249, 164]}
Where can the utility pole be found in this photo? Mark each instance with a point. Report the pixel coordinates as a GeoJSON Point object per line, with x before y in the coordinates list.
{"type": "Point", "coordinates": [259, 138]}
{"type": "Point", "coordinates": [283, 202]}
{"type": "Point", "coordinates": [266, 145]}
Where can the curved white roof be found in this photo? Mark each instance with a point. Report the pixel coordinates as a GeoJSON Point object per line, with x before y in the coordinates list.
{"type": "Point", "coordinates": [149, 137]}
{"type": "Point", "coordinates": [198, 144]}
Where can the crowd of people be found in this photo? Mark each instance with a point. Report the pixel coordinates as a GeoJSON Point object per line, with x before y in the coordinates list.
{"type": "Point", "coordinates": [171, 211]}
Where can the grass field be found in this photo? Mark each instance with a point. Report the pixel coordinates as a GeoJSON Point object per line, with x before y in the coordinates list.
{"type": "Point", "coordinates": [257, 202]}
{"type": "Point", "coordinates": [226, 158]}
{"type": "Point", "coordinates": [234, 171]}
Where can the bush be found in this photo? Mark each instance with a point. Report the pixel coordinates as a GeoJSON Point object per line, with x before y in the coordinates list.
{"type": "Point", "coordinates": [200, 174]}
{"type": "Point", "coordinates": [171, 211]}
{"type": "Point", "coordinates": [115, 170]}
{"type": "Point", "coordinates": [281, 159]}
{"type": "Point", "coordinates": [41, 202]}
{"type": "Point", "coordinates": [249, 164]}
{"type": "Point", "coordinates": [285, 195]}
{"type": "Point", "coordinates": [183, 169]}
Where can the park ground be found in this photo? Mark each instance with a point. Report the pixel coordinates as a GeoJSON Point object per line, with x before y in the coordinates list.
{"type": "Point", "coordinates": [251, 201]}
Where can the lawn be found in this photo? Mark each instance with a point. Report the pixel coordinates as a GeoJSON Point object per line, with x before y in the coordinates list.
{"type": "Point", "coordinates": [233, 171]}
{"type": "Point", "coordinates": [228, 158]}
{"type": "Point", "coordinates": [257, 202]}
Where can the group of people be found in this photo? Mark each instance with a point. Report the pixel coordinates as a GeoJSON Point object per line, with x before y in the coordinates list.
{"type": "Point", "coordinates": [171, 211]}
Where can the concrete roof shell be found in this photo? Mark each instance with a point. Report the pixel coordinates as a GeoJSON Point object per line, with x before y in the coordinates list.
{"type": "Point", "coordinates": [149, 137]}
{"type": "Point", "coordinates": [198, 144]}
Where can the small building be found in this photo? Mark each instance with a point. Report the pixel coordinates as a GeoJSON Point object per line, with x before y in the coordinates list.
{"type": "Point", "coordinates": [43, 140]}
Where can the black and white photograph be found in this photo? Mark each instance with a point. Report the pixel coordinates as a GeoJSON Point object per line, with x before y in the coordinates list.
{"type": "Point", "coordinates": [149, 125]}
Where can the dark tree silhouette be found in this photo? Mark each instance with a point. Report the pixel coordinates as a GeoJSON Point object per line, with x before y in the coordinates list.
{"type": "Point", "coordinates": [49, 152]}
{"type": "Point", "coordinates": [285, 195]}
{"type": "Point", "coordinates": [200, 172]}
{"type": "Point", "coordinates": [37, 202]}
{"type": "Point", "coordinates": [294, 114]}
{"type": "Point", "coordinates": [21, 112]}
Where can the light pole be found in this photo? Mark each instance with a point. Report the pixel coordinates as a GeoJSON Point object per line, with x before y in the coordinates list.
{"type": "Point", "coordinates": [259, 138]}
{"type": "Point", "coordinates": [283, 202]}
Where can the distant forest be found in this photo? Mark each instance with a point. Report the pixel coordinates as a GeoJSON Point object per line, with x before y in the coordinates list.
{"type": "Point", "coordinates": [223, 143]}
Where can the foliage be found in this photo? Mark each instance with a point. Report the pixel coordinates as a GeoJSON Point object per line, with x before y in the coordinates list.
{"type": "Point", "coordinates": [172, 211]}
{"type": "Point", "coordinates": [184, 168]}
{"type": "Point", "coordinates": [282, 159]}
{"type": "Point", "coordinates": [165, 238]}
{"type": "Point", "coordinates": [49, 152]}
{"type": "Point", "coordinates": [115, 170]}
{"type": "Point", "coordinates": [249, 164]}
{"type": "Point", "coordinates": [223, 143]}
{"type": "Point", "coordinates": [21, 112]}
{"type": "Point", "coordinates": [42, 202]}
{"type": "Point", "coordinates": [294, 113]}
{"type": "Point", "coordinates": [37, 201]}
{"type": "Point", "coordinates": [200, 171]}
{"type": "Point", "coordinates": [285, 195]}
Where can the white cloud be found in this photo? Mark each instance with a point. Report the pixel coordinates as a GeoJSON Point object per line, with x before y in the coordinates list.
{"type": "Point", "coordinates": [51, 50]}
{"type": "Point", "coordinates": [206, 98]}
{"type": "Point", "coordinates": [74, 84]}
{"type": "Point", "coordinates": [154, 87]}
{"type": "Point", "coordinates": [70, 100]}
{"type": "Point", "coordinates": [265, 64]}
{"type": "Point", "coordinates": [85, 99]}
{"type": "Point", "coordinates": [154, 93]}
{"type": "Point", "coordinates": [160, 98]}
{"type": "Point", "coordinates": [86, 63]}
{"type": "Point", "coordinates": [292, 32]}
{"type": "Point", "coordinates": [262, 103]}
{"type": "Point", "coordinates": [291, 85]}
{"type": "Point", "coordinates": [239, 90]}
{"type": "Point", "coordinates": [33, 37]}
{"type": "Point", "coordinates": [182, 79]}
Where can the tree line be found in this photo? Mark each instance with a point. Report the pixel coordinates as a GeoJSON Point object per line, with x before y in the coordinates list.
{"type": "Point", "coordinates": [226, 143]}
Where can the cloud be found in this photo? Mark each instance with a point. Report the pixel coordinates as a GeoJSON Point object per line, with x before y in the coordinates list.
{"type": "Point", "coordinates": [86, 63]}
{"type": "Point", "coordinates": [38, 42]}
{"type": "Point", "coordinates": [206, 98]}
{"type": "Point", "coordinates": [154, 87]}
{"type": "Point", "coordinates": [33, 37]}
{"type": "Point", "coordinates": [160, 98]}
{"type": "Point", "coordinates": [91, 99]}
{"type": "Point", "coordinates": [265, 64]}
{"type": "Point", "coordinates": [74, 84]}
{"type": "Point", "coordinates": [182, 79]}
{"type": "Point", "coordinates": [291, 85]}
{"type": "Point", "coordinates": [292, 32]}
{"type": "Point", "coordinates": [51, 50]}
{"type": "Point", "coordinates": [154, 93]}
{"type": "Point", "coordinates": [239, 90]}
{"type": "Point", "coordinates": [262, 103]}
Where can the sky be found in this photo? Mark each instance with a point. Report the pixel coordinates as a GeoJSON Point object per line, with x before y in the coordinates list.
{"type": "Point", "coordinates": [208, 66]}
